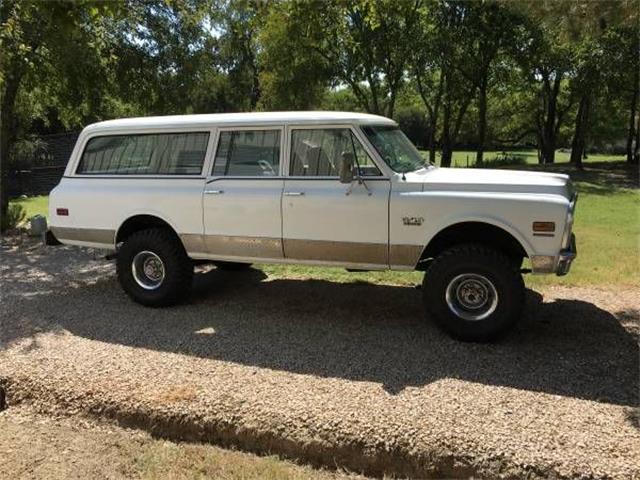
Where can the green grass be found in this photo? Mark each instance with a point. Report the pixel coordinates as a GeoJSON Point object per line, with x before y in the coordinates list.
{"type": "Point", "coordinates": [34, 205]}
{"type": "Point", "coordinates": [607, 240]}
{"type": "Point", "coordinates": [607, 227]}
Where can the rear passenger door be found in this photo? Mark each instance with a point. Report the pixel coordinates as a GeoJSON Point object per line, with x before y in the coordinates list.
{"type": "Point", "coordinates": [325, 221]}
{"type": "Point", "coordinates": [241, 202]}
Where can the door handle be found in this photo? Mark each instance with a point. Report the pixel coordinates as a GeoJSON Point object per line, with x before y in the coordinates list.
{"type": "Point", "coordinates": [214, 192]}
{"type": "Point", "coordinates": [293, 194]}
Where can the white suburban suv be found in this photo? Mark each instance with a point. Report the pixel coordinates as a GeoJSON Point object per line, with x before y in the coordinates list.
{"type": "Point", "coordinates": [322, 188]}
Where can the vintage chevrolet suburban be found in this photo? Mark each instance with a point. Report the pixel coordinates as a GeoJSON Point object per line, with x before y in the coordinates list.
{"type": "Point", "coordinates": [321, 188]}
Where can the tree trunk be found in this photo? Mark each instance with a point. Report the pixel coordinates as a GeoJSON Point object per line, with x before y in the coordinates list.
{"type": "Point", "coordinates": [580, 132]}
{"type": "Point", "coordinates": [432, 142]}
{"type": "Point", "coordinates": [7, 132]}
{"type": "Point", "coordinates": [447, 150]}
{"type": "Point", "coordinates": [548, 120]}
{"type": "Point", "coordinates": [549, 129]}
{"type": "Point", "coordinates": [632, 119]}
{"type": "Point", "coordinates": [636, 152]}
{"type": "Point", "coordinates": [482, 121]}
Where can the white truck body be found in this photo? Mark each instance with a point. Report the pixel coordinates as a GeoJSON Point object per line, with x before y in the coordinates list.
{"type": "Point", "coordinates": [320, 188]}
{"type": "Point", "coordinates": [384, 222]}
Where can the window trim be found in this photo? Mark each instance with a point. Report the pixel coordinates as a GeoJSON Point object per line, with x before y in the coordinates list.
{"type": "Point", "coordinates": [209, 172]}
{"type": "Point", "coordinates": [118, 133]}
{"type": "Point", "coordinates": [354, 131]}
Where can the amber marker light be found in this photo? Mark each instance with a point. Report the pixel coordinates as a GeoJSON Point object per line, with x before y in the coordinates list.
{"type": "Point", "coordinates": [544, 227]}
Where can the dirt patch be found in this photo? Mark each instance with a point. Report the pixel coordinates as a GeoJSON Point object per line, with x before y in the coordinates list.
{"type": "Point", "coordinates": [337, 374]}
{"type": "Point", "coordinates": [57, 448]}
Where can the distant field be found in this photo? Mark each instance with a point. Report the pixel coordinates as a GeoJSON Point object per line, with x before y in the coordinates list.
{"type": "Point", "coordinates": [607, 226]}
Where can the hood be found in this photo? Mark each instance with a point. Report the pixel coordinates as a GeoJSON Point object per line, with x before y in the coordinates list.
{"type": "Point", "coordinates": [485, 180]}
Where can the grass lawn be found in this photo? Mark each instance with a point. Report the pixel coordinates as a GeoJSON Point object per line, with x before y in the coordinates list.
{"type": "Point", "coordinates": [463, 158]}
{"type": "Point", "coordinates": [34, 205]}
{"type": "Point", "coordinates": [607, 226]}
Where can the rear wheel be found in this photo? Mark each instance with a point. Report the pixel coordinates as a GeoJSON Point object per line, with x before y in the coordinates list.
{"type": "Point", "coordinates": [153, 268]}
{"type": "Point", "coordinates": [473, 292]}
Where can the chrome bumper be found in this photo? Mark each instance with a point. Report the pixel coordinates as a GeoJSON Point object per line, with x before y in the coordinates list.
{"type": "Point", "coordinates": [566, 257]}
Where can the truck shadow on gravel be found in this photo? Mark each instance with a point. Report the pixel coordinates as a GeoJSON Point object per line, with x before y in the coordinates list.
{"type": "Point", "coordinates": [357, 331]}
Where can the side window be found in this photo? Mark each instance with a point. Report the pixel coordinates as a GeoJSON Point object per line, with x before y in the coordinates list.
{"type": "Point", "coordinates": [248, 153]}
{"type": "Point", "coordinates": [363, 160]}
{"type": "Point", "coordinates": [145, 154]}
{"type": "Point", "coordinates": [318, 153]}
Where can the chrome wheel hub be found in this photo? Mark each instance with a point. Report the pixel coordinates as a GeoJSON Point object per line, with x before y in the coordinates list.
{"type": "Point", "coordinates": [148, 270]}
{"type": "Point", "coordinates": [471, 296]}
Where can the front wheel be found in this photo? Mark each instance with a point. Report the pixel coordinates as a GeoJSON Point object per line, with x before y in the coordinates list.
{"type": "Point", "coordinates": [153, 268]}
{"type": "Point", "coordinates": [473, 292]}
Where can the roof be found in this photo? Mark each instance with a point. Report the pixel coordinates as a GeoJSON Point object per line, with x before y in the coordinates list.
{"type": "Point", "coordinates": [240, 119]}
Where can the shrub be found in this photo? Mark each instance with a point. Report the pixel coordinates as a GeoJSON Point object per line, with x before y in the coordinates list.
{"type": "Point", "coordinates": [16, 214]}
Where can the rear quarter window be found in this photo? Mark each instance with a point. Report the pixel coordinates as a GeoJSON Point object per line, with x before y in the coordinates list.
{"type": "Point", "coordinates": [145, 154]}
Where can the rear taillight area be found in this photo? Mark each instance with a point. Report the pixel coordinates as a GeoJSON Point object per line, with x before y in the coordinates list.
{"type": "Point", "coordinates": [62, 212]}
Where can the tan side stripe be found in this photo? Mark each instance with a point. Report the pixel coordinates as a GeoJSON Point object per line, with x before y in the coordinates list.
{"type": "Point", "coordinates": [254, 247]}
{"type": "Point", "coordinates": [405, 254]}
{"type": "Point", "coordinates": [93, 235]}
{"type": "Point", "coordinates": [193, 242]}
{"type": "Point", "coordinates": [330, 251]}
{"type": "Point", "coordinates": [321, 250]}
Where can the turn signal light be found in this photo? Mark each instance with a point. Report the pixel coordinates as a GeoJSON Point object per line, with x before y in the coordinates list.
{"type": "Point", "coordinates": [544, 227]}
{"type": "Point", "coordinates": [63, 212]}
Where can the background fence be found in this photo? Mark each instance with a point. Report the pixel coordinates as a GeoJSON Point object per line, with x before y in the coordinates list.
{"type": "Point", "coordinates": [48, 165]}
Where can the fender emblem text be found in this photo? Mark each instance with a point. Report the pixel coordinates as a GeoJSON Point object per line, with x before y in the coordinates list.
{"type": "Point", "coordinates": [412, 220]}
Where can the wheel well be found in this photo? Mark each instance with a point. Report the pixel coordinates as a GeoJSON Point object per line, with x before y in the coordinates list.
{"type": "Point", "coordinates": [141, 222]}
{"type": "Point", "coordinates": [474, 232]}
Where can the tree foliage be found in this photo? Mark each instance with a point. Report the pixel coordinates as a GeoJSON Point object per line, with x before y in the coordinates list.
{"type": "Point", "coordinates": [478, 74]}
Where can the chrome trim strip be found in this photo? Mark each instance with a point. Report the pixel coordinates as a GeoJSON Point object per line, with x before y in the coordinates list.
{"type": "Point", "coordinates": [567, 257]}
{"type": "Point", "coordinates": [93, 235]}
{"type": "Point", "coordinates": [135, 177]}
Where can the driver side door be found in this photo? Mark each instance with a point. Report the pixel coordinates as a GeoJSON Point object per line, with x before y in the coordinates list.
{"type": "Point", "coordinates": [325, 221]}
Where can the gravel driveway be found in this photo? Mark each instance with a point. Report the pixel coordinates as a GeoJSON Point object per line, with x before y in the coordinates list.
{"type": "Point", "coordinates": [346, 374]}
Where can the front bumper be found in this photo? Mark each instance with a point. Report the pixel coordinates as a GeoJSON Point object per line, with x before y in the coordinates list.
{"type": "Point", "coordinates": [558, 264]}
{"type": "Point", "coordinates": [566, 257]}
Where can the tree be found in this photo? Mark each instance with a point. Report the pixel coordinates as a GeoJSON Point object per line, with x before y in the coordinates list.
{"type": "Point", "coordinates": [293, 74]}
{"type": "Point", "coordinates": [548, 66]}
{"type": "Point", "coordinates": [623, 49]}
{"type": "Point", "coordinates": [366, 45]}
{"type": "Point", "coordinates": [59, 47]}
{"type": "Point", "coordinates": [456, 89]}
{"type": "Point", "coordinates": [494, 31]}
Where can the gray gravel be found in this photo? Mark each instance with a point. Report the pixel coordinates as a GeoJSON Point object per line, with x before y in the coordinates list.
{"type": "Point", "coordinates": [331, 373]}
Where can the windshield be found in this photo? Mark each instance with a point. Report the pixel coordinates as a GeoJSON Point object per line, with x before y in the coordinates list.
{"type": "Point", "coordinates": [395, 148]}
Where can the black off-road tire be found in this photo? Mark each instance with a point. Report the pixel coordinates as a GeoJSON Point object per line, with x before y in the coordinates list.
{"type": "Point", "coordinates": [178, 268]}
{"type": "Point", "coordinates": [495, 266]}
{"type": "Point", "coordinates": [233, 266]}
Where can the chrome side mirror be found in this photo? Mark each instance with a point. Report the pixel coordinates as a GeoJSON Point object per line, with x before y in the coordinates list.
{"type": "Point", "coordinates": [346, 167]}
